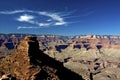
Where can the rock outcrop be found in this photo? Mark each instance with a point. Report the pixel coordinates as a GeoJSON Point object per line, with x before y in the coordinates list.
{"type": "Point", "coordinates": [27, 62]}
{"type": "Point", "coordinates": [87, 41]}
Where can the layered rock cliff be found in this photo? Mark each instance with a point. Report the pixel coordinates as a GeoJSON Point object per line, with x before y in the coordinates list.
{"type": "Point", "coordinates": [10, 41]}
{"type": "Point", "coordinates": [27, 62]}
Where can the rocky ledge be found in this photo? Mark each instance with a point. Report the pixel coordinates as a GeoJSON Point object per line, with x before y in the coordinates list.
{"type": "Point", "coordinates": [27, 62]}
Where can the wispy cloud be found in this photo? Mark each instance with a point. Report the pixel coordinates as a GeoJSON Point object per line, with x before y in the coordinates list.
{"type": "Point", "coordinates": [16, 11]}
{"type": "Point", "coordinates": [44, 24]}
{"type": "Point", "coordinates": [53, 18]}
{"type": "Point", "coordinates": [26, 18]}
{"type": "Point", "coordinates": [31, 19]}
{"type": "Point", "coordinates": [49, 20]}
{"type": "Point", "coordinates": [60, 23]}
{"type": "Point", "coordinates": [59, 20]}
{"type": "Point", "coordinates": [42, 19]}
{"type": "Point", "coordinates": [27, 27]}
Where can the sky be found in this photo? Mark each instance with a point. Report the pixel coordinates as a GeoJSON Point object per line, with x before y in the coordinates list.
{"type": "Point", "coordinates": [60, 17]}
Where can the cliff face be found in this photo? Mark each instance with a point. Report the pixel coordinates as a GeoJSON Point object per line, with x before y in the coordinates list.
{"type": "Point", "coordinates": [98, 55]}
{"type": "Point", "coordinates": [18, 63]}
{"type": "Point", "coordinates": [93, 40]}
{"type": "Point", "coordinates": [10, 41]}
{"type": "Point", "coordinates": [27, 62]}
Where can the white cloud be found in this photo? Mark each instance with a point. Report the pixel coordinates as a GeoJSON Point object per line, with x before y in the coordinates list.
{"type": "Point", "coordinates": [26, 18]}
{"type": "Point", "coordinates": [54, 19]}
{"type": "Point", "coordinates": [54, 16]}
{"type": "Point", "coordinates": [49, 20]}
{"type": "Point", "coordinates": [30, 19]}
{"type": "Point", "coordinates": [15, 11]}
{"type": "Point", "coordinates": [26, 27]}
{"type": "Point", "coordinates": [44, 24]}
{"type": "Point", "coordinates": [60, 23]}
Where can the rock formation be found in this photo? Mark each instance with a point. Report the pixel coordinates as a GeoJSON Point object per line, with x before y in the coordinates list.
{"type": "Point", "coordinates": [90, 56]}
{"type": "Point", "coordinates": [107, 41]}
{"type": "Point", "coordinates": [27, 62]}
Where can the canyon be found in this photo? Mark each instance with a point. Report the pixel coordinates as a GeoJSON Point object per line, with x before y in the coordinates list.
{"type": "Point", "coordinates": [88, 57]}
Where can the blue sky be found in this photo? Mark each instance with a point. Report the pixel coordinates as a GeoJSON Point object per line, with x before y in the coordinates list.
{"type": "Point", "coordinates": [62, 17]}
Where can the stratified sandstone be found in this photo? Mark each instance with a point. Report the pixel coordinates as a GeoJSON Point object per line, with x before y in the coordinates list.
{"type": "Point", "coordinates": [27, 62]}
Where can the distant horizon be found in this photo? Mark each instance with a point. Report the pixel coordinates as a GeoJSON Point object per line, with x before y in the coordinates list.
{"type": "Point", "coordinates": [62, 35]}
